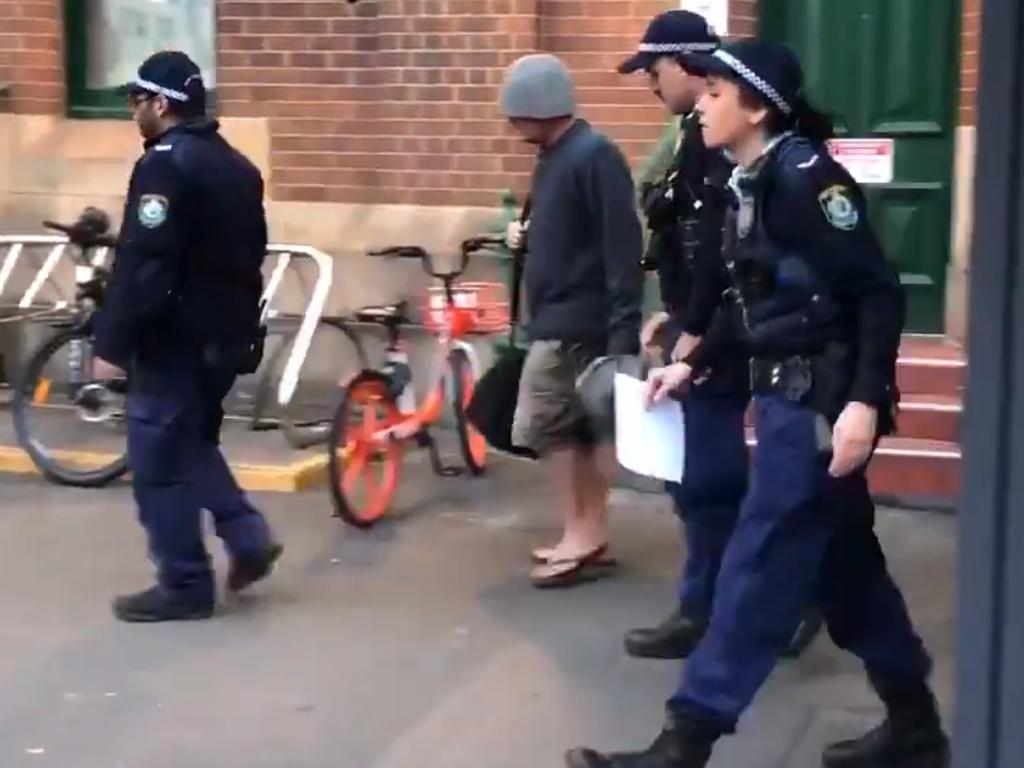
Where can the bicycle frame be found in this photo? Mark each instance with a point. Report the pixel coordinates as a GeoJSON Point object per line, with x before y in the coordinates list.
{"type": "Point", "coordinates": [429, 410]}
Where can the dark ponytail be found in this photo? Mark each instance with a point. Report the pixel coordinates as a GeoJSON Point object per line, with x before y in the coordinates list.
{"type": "Point", "coordinates": [811, 123]}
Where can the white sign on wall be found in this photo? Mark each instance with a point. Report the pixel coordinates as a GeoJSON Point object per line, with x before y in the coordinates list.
{"type": "Point", "coordinates": [869, 161]}
{"type": "Point", "coordinates": [715, 11]}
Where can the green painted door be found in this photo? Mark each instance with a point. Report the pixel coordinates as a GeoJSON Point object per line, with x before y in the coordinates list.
{"type": "Point", "coordinates": [888, 69]}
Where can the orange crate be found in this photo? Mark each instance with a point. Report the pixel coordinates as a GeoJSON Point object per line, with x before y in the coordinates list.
{"type": "Point", "coordinates": [484, 305]}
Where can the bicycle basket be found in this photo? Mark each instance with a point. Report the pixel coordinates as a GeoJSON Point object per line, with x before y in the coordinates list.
{"type": "Point", "coordinates": [484, 307]}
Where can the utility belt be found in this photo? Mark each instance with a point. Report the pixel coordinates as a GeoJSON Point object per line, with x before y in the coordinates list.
{"type": "Point", "coordinates": [820, 381]}
{"type": "Point", "coordinates": [792, 377]}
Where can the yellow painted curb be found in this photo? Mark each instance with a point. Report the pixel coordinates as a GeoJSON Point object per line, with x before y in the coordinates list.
{"type": "Point", "coordinates": [284, 478]}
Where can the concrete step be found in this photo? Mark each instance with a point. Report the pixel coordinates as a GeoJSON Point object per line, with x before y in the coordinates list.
{"type": "Point", "coordinates": [931, 365]}
{"type": "Point", "coordinates": [915, 472]}
{"type": "Point", "coordinates": [930, 417]}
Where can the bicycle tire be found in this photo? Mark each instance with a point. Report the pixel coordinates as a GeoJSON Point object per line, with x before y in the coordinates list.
{"type": "Point", "coordinates": [352, 456]}
{"type": "Point", "coordinates": [299, 430]}
{"type": "Point", "coordinates": [472, 444]}
{"type": "Point", "coordinates": [41, 457]}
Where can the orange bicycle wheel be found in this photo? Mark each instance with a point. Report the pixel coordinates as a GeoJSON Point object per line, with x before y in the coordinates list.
{"type": "Point", "coordinates": [472, 443]}
{"type": "Point", "coordinates": [363, 465]}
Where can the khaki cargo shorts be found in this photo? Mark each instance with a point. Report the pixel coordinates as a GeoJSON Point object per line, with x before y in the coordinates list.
{"type": "Point", "coordinates": [548, 414]}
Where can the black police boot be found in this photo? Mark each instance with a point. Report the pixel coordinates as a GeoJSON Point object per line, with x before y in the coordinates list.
{"type": "Point", "coordinates": [249, 569]}
{"type": "Point", "coordinates": [674, 638]}
{"type": "Point", "coordinates": [157, 604]}
{"type": "Point", "coordinates": [679, 745]}
{"type": "Point", "coordinates": [809, 628]}
{"type": "Point", "coordinates": [910, 737]}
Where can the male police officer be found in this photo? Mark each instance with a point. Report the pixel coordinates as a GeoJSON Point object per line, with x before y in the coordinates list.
{"type": "Point", "coordinates": [182, 317]}
{"type": "Point", "coordinates": [685, 212]}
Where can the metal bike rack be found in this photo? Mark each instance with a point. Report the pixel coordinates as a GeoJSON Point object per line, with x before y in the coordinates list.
{"type": "Point", "coordinates": [286, 254]}
{"type": "Point", "coordinates": [15, 245]}
{"type": "Point", "coordinates": [287, 257]}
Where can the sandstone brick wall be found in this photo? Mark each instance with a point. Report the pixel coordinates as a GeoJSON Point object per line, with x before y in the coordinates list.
{"type": "Point", "coordinates": [30, 56]}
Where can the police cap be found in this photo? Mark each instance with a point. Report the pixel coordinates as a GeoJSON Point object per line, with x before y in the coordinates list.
{"type": "Point", "coordinates": [770, 69]}
{"type": "Point", "coordinates": [174, 75]}
{"type": "Point", "coordinates": [672, 33]}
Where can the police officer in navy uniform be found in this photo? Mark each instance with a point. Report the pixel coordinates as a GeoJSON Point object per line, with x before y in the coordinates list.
{"type": "Point", "coordinates": [182, 317]}
{"type": "Point", "coordinates": [685, 213]}
{"type": "Point", "coordinates": [820, 311]}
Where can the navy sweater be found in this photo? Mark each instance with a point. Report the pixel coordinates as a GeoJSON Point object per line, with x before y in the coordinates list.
{"type": "Point", "coordinates": [583, 276]}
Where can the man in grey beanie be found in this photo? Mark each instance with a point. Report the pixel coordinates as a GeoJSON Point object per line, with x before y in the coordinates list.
{"type": "Point", "coordinates": [584, 289]}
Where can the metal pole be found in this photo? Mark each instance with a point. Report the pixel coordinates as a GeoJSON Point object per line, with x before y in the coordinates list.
{"type": "Point", "coordinates": [990, 660]}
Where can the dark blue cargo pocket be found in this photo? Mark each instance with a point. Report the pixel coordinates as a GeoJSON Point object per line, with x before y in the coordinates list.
{"type": "Point", "coordinates": [158, 438]}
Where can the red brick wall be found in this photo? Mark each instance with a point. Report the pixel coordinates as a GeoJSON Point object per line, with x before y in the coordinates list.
{"type": "Point", "coordinates": [969, 41]}
{"type": "Point", "coordinates": [593, 37]}
{"type": "Point", "coordinates": [386, 101]}
{"type": "Point", "coordinates": [396, 100]}
{"type": "Point", "coordinates": [30, 56]}
{"type": "Point", "coordinates": [742, 18]}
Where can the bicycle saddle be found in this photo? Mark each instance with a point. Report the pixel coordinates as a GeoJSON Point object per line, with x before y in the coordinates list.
{"type": "Point", "coordinates": [384, 314]}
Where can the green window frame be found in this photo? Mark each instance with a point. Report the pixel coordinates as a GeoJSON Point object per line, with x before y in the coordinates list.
{"type": "Point", "coordinates": [87, 102]}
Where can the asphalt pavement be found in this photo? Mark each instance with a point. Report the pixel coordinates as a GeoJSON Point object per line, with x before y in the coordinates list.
{"type": "Point", "coordinates": [418, 644]}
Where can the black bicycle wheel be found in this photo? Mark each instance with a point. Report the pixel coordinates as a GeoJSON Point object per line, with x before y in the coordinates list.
{"type": "Point", "coordinates": [472, 444]}
{"type": "Point", "coordinates": [335, 356]}
{"type": "Point", "coordinates": [72, 427]}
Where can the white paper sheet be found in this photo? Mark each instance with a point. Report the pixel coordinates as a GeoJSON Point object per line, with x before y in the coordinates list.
{"type": "Point", "coordinates": [648, 442]}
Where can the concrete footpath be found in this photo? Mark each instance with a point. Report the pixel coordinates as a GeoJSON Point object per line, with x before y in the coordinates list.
{"type": "Point", "coordinates": [419, 644]}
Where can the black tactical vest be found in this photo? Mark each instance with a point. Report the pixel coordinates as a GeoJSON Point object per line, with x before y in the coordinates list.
{"type": "Point", "coordinates": [787, 309]}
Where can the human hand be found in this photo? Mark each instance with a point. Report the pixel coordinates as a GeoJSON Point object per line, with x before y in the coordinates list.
{"type": "Point", "coordinates": [661, 382]}
{"type": "Point", "coordinates": [104, 371]}
{"type": "Point", "coordinates": [853, 438]}
{"type": "Point", "coordinates": [515, 234]}
{"type": "Point", "coordinates": [651, 329]}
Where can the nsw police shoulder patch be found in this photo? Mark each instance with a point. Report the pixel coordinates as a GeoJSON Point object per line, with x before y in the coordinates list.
{"type": "Point", "coordinates": [153, 210]}
{"type": "Point", "coordinates": [838, 208]}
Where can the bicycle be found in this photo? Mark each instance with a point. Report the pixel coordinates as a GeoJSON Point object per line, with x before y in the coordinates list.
{"type": "Point", "coordinates": [56, 381]}
{"type": "Point", "coordinates": [71, 385]}
{"type": "Point", "coordinates": [378, 412]}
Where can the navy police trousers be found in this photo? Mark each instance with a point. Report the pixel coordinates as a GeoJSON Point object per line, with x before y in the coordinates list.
{"type": "Point", "coordinates": [709, 497]}
{"type": "Point", "coordinates": [802, 538]}
{"type": "Point", "coordinates": [177, 468]}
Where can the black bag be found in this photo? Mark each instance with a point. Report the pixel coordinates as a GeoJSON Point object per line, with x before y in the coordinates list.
{"type": "Point", "coordinates": [493, 406]}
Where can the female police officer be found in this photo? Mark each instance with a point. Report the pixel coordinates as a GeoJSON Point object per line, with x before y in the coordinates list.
{"type": "Point", "coordinates": [820, 311]}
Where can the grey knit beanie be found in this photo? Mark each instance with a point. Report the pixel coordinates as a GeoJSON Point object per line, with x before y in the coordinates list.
{"type": "Point", "coordinates": [538, 86]}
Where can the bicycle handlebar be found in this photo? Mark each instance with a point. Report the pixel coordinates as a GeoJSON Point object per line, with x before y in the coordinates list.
{"type": "Point", "coordinates": [467, 248]}
{"type": "Point", "coordinates": [83, 238]}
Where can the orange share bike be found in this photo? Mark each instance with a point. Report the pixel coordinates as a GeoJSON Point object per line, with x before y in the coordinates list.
{"type": "Point", "coordinates": [378, 414]}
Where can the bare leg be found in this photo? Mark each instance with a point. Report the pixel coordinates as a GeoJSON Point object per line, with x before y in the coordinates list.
{"type": "Point", "coordinates": [586, 521]}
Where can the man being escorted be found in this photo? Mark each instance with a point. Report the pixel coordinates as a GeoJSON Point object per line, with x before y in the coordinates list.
{"type": "Point", "coordinates": [182, 316]}
{"type": "Point", "coordinates": [584, 288]}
